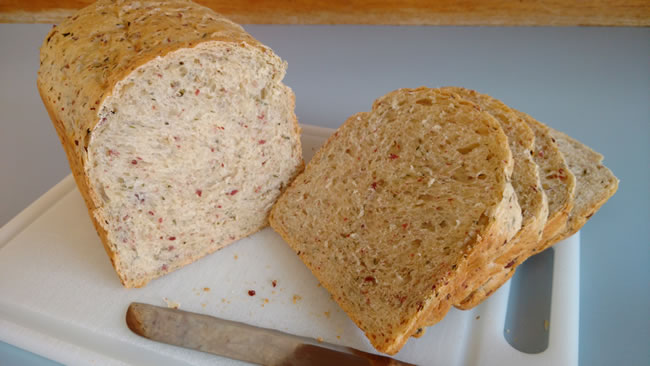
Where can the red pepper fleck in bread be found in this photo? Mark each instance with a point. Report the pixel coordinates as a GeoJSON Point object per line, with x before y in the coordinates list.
{"type": "Point", "coordinates": [398, 205]}
{"type": "Point", "coordinates": [177, 126]}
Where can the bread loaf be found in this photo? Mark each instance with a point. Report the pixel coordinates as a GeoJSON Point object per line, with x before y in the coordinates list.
{"type": "Point", "coordinates": [398, 205]}
{"type": "Point", "coordinates": [176, 124]}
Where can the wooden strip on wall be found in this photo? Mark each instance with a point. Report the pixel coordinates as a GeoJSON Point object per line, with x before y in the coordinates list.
{"type": "Point", "coordinates": [407, 12]}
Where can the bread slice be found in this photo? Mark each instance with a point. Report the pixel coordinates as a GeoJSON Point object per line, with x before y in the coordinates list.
{"type": "Point", "coordinates": [559, 185]}
{"type": "Point", "coordinates": [176, 123]}
{"type": "Point", "coordinates": [595, 183]}
{"type": "Point", "coordinates": [396, 207]}
{"type": "Point", "coordinates": [525, 180]}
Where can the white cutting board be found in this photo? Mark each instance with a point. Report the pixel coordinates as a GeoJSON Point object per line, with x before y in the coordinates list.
{"type": "Point", "coordinates": [60, 298]}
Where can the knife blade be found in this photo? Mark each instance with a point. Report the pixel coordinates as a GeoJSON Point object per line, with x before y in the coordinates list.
{"type": "Point", "coordinates": [242, 341]}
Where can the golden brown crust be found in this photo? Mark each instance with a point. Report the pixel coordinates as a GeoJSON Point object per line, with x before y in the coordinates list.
{"type": "Point", "coordinates": [84, 57]}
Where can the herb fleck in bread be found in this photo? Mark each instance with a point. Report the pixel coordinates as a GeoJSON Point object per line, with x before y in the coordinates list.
{"type": "Point", "coordinates": [395, 208]}
{"type": "Point", "coordinates": [525, 180]}
{"type": "Point", "coordinates": [178, 129]}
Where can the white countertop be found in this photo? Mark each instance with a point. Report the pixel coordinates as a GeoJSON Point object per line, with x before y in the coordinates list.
{"type": "Point", "coordinates": [593, 83]}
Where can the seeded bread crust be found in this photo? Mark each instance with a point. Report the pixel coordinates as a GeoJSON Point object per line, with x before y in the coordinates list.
{"type": "Point", "coordinates": [86, 56]}
{"type": "Point", "coordinates": [398, 294]}
{"type": "Point", "coordinates": [525, 180]}
{"type": "Point", "coordinates": [559, 185]}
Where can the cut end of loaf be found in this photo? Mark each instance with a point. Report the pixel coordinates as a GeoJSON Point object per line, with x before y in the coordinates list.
{"type": "Point", "coordinates": [191, 151]}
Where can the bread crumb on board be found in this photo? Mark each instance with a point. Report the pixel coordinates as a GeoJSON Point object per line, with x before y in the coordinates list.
{"type": "Point", "coordinates": [320, 339]}
{"type": "Point", "coordinates": [171, 304]}
{"type": "Point", "coordinates": [296, 298]}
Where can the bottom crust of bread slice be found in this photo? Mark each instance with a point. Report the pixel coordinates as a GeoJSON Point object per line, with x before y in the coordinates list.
{"type": "Point", "coordinates": [397, 204]}
{"type": "Point", "coordinates": [559, 186]}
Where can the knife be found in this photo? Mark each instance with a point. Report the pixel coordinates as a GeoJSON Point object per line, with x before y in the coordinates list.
{"type": "Point", "coordinates": [242, 341]}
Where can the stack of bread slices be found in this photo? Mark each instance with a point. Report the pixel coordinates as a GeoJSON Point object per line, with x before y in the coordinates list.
{"type": "Point", "coordinates": [431, 200]}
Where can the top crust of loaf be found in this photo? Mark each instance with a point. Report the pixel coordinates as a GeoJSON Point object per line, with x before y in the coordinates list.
{"type": "Point", "coordinates": [398, 204]}
{"type": "Point", "coordinates": [86, 56]}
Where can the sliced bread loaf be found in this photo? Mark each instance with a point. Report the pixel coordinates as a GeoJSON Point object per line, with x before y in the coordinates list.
{"type": "Point", "coordinates": [559, 185]}
{"type": "Point", "coordinates": [396, 207]}
{"type": "Point", "coordinates": [595, 183]}
{"type": "Point", "coordinates": [525, 180]}
{"type": "Point", "coordinates": [177, 126]}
